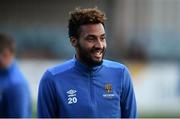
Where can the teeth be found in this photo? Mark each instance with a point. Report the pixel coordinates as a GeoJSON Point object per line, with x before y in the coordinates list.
{"type": "Point", "coordinates": [98, 53]}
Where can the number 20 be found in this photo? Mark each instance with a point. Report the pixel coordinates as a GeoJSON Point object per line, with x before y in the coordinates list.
{"type": "Point", "coordinates": [72, 100]}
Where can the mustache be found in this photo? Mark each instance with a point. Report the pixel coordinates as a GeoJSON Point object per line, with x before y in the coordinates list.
{"type": "Point", "coordinates": [102, 50]}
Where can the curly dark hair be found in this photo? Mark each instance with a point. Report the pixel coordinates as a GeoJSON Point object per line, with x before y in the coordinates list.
{"type": "Point", "coordinates": [81, 16]}
{"type": "Point", "coordinates": [6, 41]}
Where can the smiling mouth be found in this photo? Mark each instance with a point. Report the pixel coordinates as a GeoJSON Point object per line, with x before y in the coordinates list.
{"type": "Point", "coordinates": [98, 54]}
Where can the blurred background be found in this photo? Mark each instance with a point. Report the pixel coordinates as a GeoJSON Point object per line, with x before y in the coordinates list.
{"type": "Point", "coordinates": [143, 34]}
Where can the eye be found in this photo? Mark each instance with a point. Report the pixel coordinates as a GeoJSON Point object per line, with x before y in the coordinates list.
{"type": "Point", "coordinates": [103, 38]}
{"type": "Point", "coordinates": [90, 38]}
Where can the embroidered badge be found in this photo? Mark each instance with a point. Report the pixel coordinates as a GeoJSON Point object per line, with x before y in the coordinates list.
{"type": "Point", "coordinates": [108, 91]}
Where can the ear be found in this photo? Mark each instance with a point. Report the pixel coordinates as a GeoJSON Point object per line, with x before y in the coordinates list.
{"type": "Point", "coordinates": [73, 41]}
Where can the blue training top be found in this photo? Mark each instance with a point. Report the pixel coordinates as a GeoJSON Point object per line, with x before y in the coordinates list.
{"type": "Point", "coordinates": [15, 99]}
{"type": "Point", "coordinates": [74, 90]}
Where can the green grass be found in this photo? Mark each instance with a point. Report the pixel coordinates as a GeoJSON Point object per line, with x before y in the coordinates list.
{"type": "Point", "coordinates": [34, 111]}
{"type": "Point", "coordinates": [159, 115]}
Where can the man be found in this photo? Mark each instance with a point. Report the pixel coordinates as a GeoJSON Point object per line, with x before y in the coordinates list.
{"type": "Point", "coordinates": [15, 101]}
{"type": "Point", "coordinates": [87, 86]}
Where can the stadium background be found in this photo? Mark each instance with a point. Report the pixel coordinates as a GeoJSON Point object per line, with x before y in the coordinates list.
{"type": "Point", "coordinates": [143, 34]}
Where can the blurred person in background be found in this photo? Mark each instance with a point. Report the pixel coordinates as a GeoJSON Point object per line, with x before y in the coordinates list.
{"type": "Point", "coordinates": [15, 99]}
{"type": "Point", "coordinates": [87, 86]}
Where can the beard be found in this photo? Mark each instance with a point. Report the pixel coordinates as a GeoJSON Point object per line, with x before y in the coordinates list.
{"type": "Point", "coordinates": [85, 55]}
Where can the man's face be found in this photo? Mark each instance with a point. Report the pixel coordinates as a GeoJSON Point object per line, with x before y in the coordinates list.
{"type": "Point", "coordinates": [91, 44]}
{"type": "Point", "coordinates": [6, 57]}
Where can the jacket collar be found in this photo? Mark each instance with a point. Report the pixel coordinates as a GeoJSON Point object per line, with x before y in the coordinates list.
{"type": "Point", "coordinates": [84, 68]}
{"type": "Point", "coordinates": [4, 71]}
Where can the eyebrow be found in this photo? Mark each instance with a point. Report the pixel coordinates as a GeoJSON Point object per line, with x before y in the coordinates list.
{"type": "Point", "coordinates": [103, 34]}
{"type": "Point", "coordinates": [91, 35]}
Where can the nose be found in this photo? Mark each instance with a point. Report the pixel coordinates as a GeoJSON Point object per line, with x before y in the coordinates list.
{"type": "Point", "coordinates": [99, 44]}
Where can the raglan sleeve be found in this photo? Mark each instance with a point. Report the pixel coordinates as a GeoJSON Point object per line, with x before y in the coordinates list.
{"type": "Point", "coordinates": [128, 100]}
{"type": "Point", "coordinates": [47, 106]}
{"type": "Point", "coordinates": [19, 101]}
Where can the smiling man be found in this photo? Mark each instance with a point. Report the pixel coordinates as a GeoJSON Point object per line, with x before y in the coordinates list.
{"type": "Point", "coordinates": [91, 45]}
{"type": "Point", "coordinates": [87, 86]}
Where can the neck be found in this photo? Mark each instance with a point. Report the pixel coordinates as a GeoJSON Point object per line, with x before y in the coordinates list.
{"type": "Point", "coordinates": [89, 63]}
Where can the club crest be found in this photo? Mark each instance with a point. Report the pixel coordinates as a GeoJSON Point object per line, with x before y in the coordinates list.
{"type": "Point", "coordinates": [108, 91]}
{"type": "Point", "coordinates": [108, 88]}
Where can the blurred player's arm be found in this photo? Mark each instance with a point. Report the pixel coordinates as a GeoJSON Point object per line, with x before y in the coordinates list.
{"type": "Point", "coordinates": [19, 104]}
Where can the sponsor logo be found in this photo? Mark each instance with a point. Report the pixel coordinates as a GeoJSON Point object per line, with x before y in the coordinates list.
{"type": "Point", "coordinates": [71, 93]}
{"type": "Point", "coordinates": [72, 99]}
